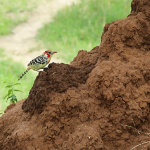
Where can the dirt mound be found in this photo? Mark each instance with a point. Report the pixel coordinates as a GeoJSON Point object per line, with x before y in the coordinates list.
{"type": "Point", "coordinates": [101, 101]}
{"type": "Point", "coordinates": [58, 78]}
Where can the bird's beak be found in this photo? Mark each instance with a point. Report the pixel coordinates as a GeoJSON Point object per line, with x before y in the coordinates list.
{"type": "Point", "coordinates": [54, 52]}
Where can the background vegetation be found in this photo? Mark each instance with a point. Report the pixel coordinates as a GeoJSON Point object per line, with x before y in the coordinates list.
{"type": "Point", "coordinates": [13, 12]}
{"type": "Point", "coordinates": [10, 72]}
{"type": "Point", "coordinates": [80, 26]}
{"type": "Point", "coordinates": [74, 28]}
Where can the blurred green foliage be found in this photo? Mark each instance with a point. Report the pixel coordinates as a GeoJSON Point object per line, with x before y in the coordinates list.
{"type": "Point", "coordinates": [13, 12]}
{"type": "Point", "coordinates": [11, 96]}
{"type": "Point", "coordinates": [80, 26]}
{"type": "Point", "coordinates": [10, 72]}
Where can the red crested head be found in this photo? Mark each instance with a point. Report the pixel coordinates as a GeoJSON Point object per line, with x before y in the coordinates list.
{"type": "Point", "coordinates": [49, 53]}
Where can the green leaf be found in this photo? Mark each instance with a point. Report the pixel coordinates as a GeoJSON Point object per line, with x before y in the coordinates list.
{"type": "Point", "coordinates": [9, 91]}
{"type": "Point", "coordinates": [9, 97]}
{"type": "Point", "coordinates": [13, 96]}
{"type": "Point", "coordinates": [8, 86]}
{"type": "Point", "coordinates": [18, 90]}
{"type": "Point", "coordinates": [5, 96]}
{"type": "Point", "coordinates": [14, 99]}
{"type": "Point", "coordinates": [11, 101]}
{"type": "Point", "coordinates": [16, 83]}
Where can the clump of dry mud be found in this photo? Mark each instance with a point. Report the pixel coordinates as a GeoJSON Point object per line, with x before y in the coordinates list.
{"type": "Point", "coordinates": [98, 102]}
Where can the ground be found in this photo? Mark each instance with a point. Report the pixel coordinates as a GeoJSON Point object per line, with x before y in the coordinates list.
{"type": "Point", "coordinates": [100, 101]}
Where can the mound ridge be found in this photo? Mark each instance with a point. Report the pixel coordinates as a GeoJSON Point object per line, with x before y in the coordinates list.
{"type": "Point", "coordinates": [58, 78]}
{"type": "Point", "coordinates": [100, 101]}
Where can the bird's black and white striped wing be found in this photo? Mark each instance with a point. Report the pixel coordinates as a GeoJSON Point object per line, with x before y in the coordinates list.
{"type": "Point", "coordinates": [38, 60]}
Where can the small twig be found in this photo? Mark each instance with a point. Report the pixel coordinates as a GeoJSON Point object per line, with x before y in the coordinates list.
{"type": "Point", "coordinates": [139, 145]}
{"type": "Point", "coordinates": [135, 129]}
{"type": "Point", "coordinates": [134, 124]}
{"type": "Point", "coordinates": [139, 132]}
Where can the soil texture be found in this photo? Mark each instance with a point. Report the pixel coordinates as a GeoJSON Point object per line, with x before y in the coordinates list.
{"type": "Point", "coordinates": [100, 101]}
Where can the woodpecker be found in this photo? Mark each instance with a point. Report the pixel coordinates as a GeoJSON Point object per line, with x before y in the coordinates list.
{"type": "Point", "coordinates": [39, 62]}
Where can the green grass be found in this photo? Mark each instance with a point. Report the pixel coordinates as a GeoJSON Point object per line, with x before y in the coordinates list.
{"type": "Point", "coordinates": [13, 12]}
{"type": "Point", "coordinates": [10, 72]}
{"type": "Point", "coordinates": [80, 26]}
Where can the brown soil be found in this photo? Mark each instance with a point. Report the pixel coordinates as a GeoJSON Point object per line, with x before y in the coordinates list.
{"type": "Point", "coordinates": [101, 101]}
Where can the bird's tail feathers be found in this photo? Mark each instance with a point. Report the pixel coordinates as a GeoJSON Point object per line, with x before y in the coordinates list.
{"type": "Point", "coordinates": [23, 74]}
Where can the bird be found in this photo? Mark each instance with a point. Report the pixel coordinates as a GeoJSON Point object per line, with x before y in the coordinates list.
{"type": "Point", "coordinates": [39, 62]}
